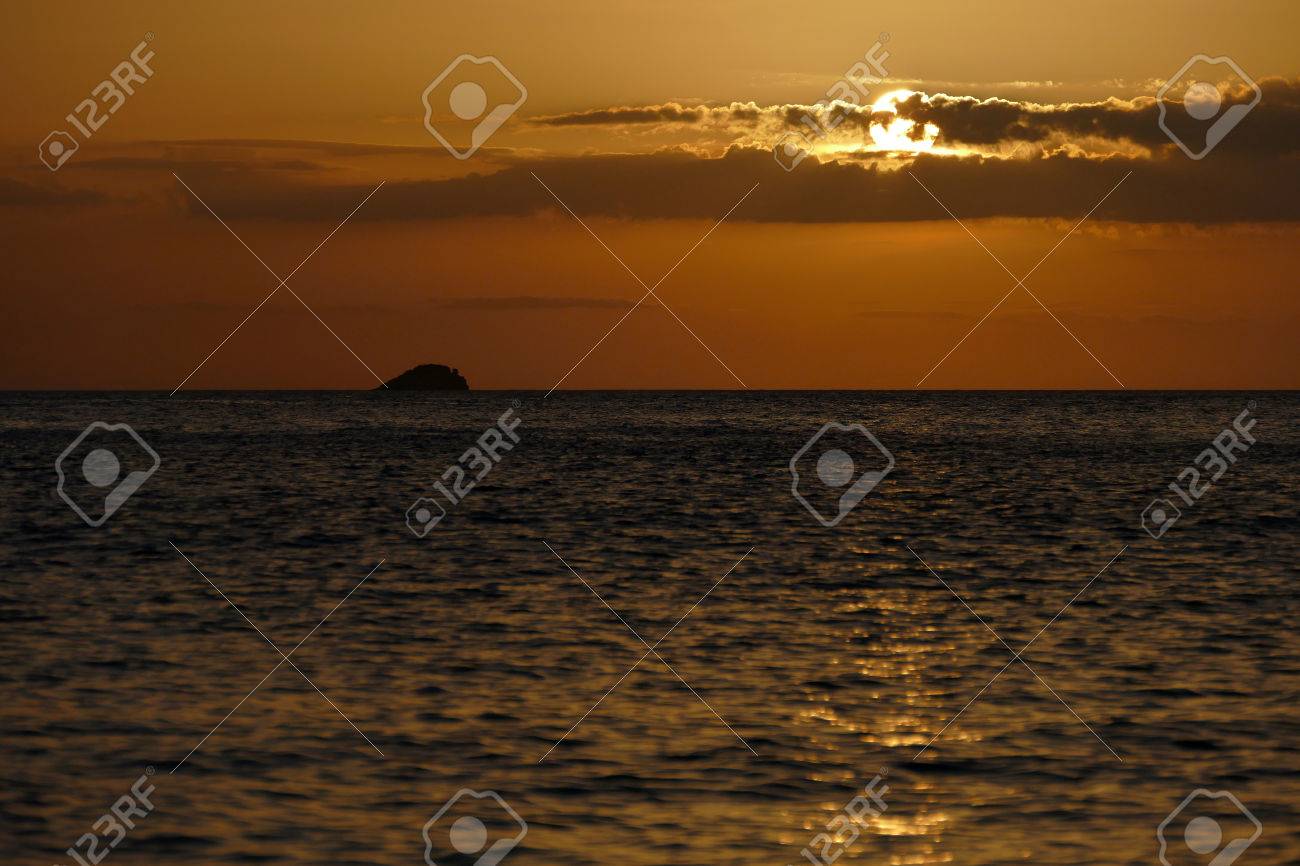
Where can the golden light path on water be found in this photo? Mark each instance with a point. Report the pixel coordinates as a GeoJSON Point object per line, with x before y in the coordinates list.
{"type": "Point", "coordinates": [834, 653]}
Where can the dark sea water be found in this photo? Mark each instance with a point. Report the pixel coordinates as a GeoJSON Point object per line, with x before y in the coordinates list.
{"type": "Point", "coordinates": [832, 653]}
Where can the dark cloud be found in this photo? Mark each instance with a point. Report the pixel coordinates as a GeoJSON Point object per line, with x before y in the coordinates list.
{"type": "Point", "coordinates": [1273, 126]}
{"type": "Point", "coordinates": [334, 148]}
{"type": "Point", "coordinates": [170, 163]}
{"type": "Point", "coordinates": [677, 184]}
{"type": "Point", "coordinates": [17, 193]}
{"type": "Point", "coordinates": [669, 112]}
{"type": "Point", "coordinates": [968, 120]}
{"type": "Point", "coordinates": [1253, 175]}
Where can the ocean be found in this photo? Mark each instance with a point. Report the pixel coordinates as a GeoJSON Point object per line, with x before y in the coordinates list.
{"type": "Point", "coordinates": [631, 642]}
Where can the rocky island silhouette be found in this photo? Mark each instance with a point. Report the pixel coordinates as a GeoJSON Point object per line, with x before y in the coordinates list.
{"type": "Point", "coordinates": [427, 377]}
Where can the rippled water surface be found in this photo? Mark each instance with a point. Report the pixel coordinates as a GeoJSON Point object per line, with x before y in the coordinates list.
{"type": "Point", "coordinates": [832, 654]}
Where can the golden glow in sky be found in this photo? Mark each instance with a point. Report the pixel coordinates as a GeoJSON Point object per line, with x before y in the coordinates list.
{"type": "Point", "coordinates": [650, 123]}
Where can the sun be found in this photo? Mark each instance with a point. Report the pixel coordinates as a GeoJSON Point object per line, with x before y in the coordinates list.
{"type": "Point", "coordinates": [898, 134]}
{"type": "Point", "coordinates": [889, 102]}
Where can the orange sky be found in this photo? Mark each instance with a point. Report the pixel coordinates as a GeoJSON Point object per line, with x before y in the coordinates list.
{"type": "Point", "coordinates": [650, 122]}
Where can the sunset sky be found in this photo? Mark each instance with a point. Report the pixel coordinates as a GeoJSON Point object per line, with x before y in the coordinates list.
{"type": "Point", "coordinates": [651, 122]}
